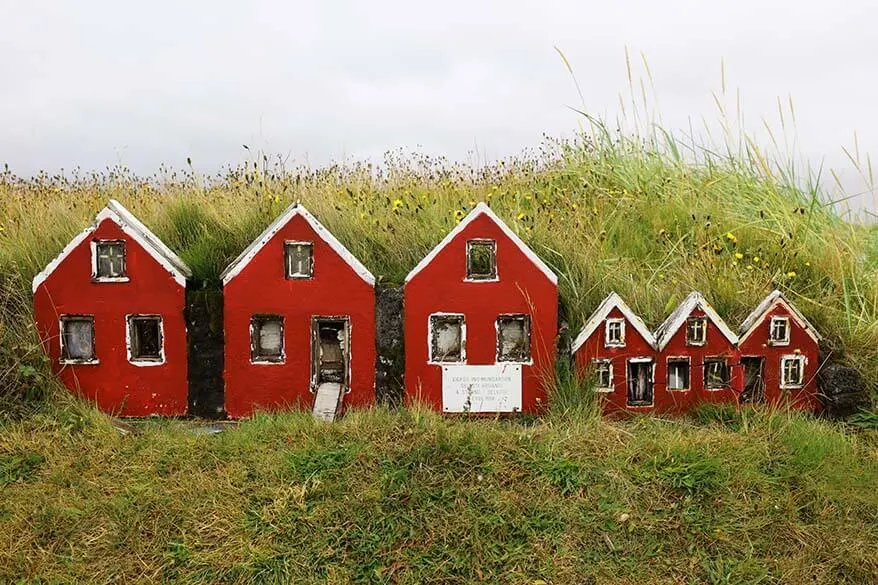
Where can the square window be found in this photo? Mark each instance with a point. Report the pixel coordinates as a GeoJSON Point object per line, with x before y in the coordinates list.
{"type": "Point", "coordinates": [299, 259]}
{"type": "Point", "coordinates": [792, 371]}
{"type": "Point", "coordinates": [267, 339]}
{"type": "Point", "coordinates": [614, 333]}
{"type": "Point", "coordinates": [446, 338]}
{"type": "Point", "coordinates": [109, 260]}
{"type": "Point", "coordinates": [481, 260]}
{"type": "Point", "coordinates": [779, 331]}
{"type": "Point", "coordinates": [678, 374]}
{"type": "Point", "coordinates": [77, 339]}
{"type": "Point", "coordinates": [603, 371]}
{"type": "Point", "coordinates": [716, 373]}
{"type": "Point", "coordinates": [513, 338]}
{"type": "Point", "coordinates": [145, 343]}
{"type": "Point", "coordinates": [696, 331]}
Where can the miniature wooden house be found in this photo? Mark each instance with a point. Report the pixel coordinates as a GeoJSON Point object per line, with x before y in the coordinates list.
{"type": "Point", "coordinates": [481, 318]}
{"type": "Point", "coordinates": [617, 348]}
{"type": "Point", "coordinates": [110, 313]}
{"type": "Point", "coordinates": [779, 355]}
{"type": "Point", "coordinates": [697, 358]}
{"type": "Point", "coordinates": [299, 322]}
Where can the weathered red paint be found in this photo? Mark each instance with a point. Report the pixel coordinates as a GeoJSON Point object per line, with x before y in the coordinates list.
{"type": "Point", "coordinates": [335, 290]}
{"type": "Point", "coordinates": [116, 385]}
{"type": "Point", "coordinates": [441, 286]}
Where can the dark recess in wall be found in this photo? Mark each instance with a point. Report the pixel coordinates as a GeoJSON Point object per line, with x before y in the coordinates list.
{"type": "Point", "coordinates": [204, 332]}
{"type": "Point", "coordinates": [390, 346]}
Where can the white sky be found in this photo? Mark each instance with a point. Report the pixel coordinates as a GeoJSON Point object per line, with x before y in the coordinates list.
{"type": "Point", "coordinates": [96, 83]}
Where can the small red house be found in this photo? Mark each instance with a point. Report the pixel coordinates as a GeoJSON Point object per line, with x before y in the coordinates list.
{"type": "Point", "coordinates": [617, 348]}
{"type": "Point", "coordinates": [299, 312]}
{"type": "Point", "coordinates": [481, 319]}
{"type": "Point", "coordinates": [110, 313]}
{"type": "Point", "coordinates": [779, 355]}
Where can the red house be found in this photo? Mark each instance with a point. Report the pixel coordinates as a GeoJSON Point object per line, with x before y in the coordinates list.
{"type": "Point", "coordinates": [481, 318]}
{"type": "Point", "coordinates": [618, 349]}
{"type": "Point", "coordinates": [110, 313]}
{"type": "Point", "coordinates": [779, 355]}
{"type": "Point", "coordinates": [299, 312]}
{"type": "Point", "coordinates": [697, 360]}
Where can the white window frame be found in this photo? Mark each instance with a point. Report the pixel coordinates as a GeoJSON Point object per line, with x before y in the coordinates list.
{"type": "Point", "coordinates": [786, 339]}
{"type": "Point", "coordinates": [129, 331]}
{"type": "Point", "coordinates": [784, 383]}
{"type": "Point", "coordinates": [597, 363]}
{"type": "Point", "coordinates": [703, 340]}
{"type": "Point", "coordinates": [462, 318]}
{"type": "Point", "coordinates": [714, 360]}
{"type": "Point", "coordinates": [609, 342]}
{"type": "Point", "coordinates": [680, 359]}
{"type": "Point", "coordinates": [527, 334]}
{"type": "Point", "coordinates": [268, 361]}
{"type": "Point", "coordinates": [481, 241]}
{"type": "Point", "coordinates": [288, 268]}
{"type": "Point", "coordinates": [76, 361]}
{"type": "Point", "coordinates": [94, 260]}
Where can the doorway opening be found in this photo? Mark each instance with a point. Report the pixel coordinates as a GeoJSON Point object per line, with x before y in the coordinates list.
{"type": "Point", "coordinates": [330, 350]}
{"type": "Point", "coordinates": [754, 380]}
{"type": "Point", "coordinates": [640, 382]}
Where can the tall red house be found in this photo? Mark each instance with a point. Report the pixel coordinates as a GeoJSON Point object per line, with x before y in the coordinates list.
{"type": "Point", "coordinates": [779, 355]}
{"type": "Point", "coordinates": [697, 358]}
{"type": "Point", "coordinates": [110, 313]}
{"type": "Point", "coordinates": [481, 320]}
{"type": "Point", "coordinates": [618, 350]}
{"type": "Point", "coordinates": [299, 322]}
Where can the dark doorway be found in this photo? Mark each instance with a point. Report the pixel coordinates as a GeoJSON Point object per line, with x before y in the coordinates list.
{"type": "Point", "coordinates": [330, 350]}
{"type": "Point", "coordinates": [640, 382]}
{"type": "Point", "coordinates": [754, 382]}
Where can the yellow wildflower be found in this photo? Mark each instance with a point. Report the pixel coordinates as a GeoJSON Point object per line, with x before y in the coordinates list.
{"type": "Point", "coordinates": [791, 273]}
{"type": "Point", "coordinates": [738, 255]}
{"type": "Point", "coordinates": [756, 260]}
{"type": "Point", "coordinates": [731, 237]}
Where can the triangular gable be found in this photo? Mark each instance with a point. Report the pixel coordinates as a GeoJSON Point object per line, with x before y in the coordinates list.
{"type": "Point", "coordinates": [613, 301]}
{"type": "Point", "coordinates": [292, 211]}
{"type": "Point", "coordinates": [754, 319]}
{"type": "Point", "coordinates": [483, 209]}
{"type": "Point", "coordinates": [675, 320]}
{"type": "Point", "coordinates": [137, 231]}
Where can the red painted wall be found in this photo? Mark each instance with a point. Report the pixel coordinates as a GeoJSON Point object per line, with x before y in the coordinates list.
{"type": "Point", "coordinates": [440, 287]}
{"type": "Point", "coordinates": [635, 347]}
{"type": "Point", "coordinates": [261, 288]}
{"type": "Point", "coordinates": [757, 344]}
{"type": "Point", "coordinates": [116, 385]}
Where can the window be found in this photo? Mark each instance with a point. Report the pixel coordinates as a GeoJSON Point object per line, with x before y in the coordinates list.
{"type": "Point", "coordinates": [267, 339]}
{"type": "Point", "coordinates": [779, 331]}
{"type": "Point", "coordinates": [78, 339]}
{"type": "Point", "coordinates": [716, 373]}
{"type": "Point", "coordinates": [513, 338]}
{"type": "Point", "coordinates": [108, 260]}
{"type": "Point", "coordinates": [481, 260]}
{"type": "Point", "coordinates": [792, 371]}
{"type": "Point", "coordinates": [145, 343]}
{"type": "Point", "coordinates": [447, 342]}
{"type": "Point", "coordinates": [603, 371]}
{"type": "Point", "coordinates": [614, 333]}
{"type": "Point", "coordinates": [696, 331]}
{"type": "Point", "coordinates": [299, 258]}
{"type": "Point", "coordinates": [678, 373]}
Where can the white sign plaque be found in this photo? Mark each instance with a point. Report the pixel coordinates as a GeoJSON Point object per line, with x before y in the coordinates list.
{"type": "Point", "coordinates": [492, 388]}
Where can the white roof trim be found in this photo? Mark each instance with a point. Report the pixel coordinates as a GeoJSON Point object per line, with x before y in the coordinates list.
{"type": "Point", "coordinates": [613, 301]}
{"type": "Point", "coordinates": [135, 229]}
{"type": "Point", "coordinates": [482, 208]}
{"type": "Point", "coordinates": [754, 319]}
{"type": "Point", "coordinates": [241, 262]}
{"type": "Point", "coordinates": [676, 319]}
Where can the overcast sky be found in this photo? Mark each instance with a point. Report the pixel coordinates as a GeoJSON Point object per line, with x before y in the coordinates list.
{"type": "Point", "coordinates": [96, 83]}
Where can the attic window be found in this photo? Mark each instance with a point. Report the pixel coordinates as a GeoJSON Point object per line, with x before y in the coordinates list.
{"type": "Point", "coordinates": [696, 331]}
{"type": "Point", "coordinates": [481, 260]}
{"type": "Point", "coordinates": [447, 338]}
{"type": "Point", "coordinates": [108, 262]}
{"type": "Point", "coordinates": [779, 331]}
{"type": "Point", "coordinates": [513, 338]}
{"type": "Point", "coordinates": [614, 333]}
{"type": "Point", "coordinates": [299, 258]}
{"type": "Point", "coordinates": [716, 373]}
{"type": "Point", "coordinates": [792, 371]}
{"type": "Point", "coordinates": [145, 343]}
{"type": "Point", "coordinates": [678, 373]}
{"type": "Point", "coordinates": [78, 339]}
{"type": "Point", "coordinates": [603, 372]}
{"type": "Point", "coordinates": [267, 339]}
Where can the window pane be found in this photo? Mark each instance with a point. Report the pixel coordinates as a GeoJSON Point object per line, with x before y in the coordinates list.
{"type": "Point", "coordinates": [78, 339]}
{"type": "Point", "coordinates": [481, 260]}
{"type": "Point", "coordinates": [716, 374]}
{"type": "Point", "coordinates": [678, 375]}
{"type": "Point", "coordinates": [110, 259]}
{"type": "Point", "coordinates": [446, 342]}
{"type": "Point", "coordinates": [270, 340]}
{"type": "Point", "coordinates": [146, 338]}
{"type": "Point", "coordinates": [300, 260]}
{"type": "Point", "coordinates": [514, 339]}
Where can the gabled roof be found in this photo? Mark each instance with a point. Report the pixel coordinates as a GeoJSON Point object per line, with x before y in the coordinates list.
{"type": "Point", "coordinates": [135, 229]}
{"type": "Point", "coordinates": [676, 319]}
{"type": "Point", "coordinates": [478, 210]}
{"type": "Point", "coordinates": [296, 209]}
{"type": "Point", "coordinates": [613, 301]}
{"type": "Point", "coordinates": [776, 298]}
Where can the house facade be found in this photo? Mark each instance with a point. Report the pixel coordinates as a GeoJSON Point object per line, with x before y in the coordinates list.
{"type": "Point", "coordinates": [299, 322]}
{"type": "Point", "coordinates": [481, 320]}
{"type": "Point", "coordinates": [110, 313]}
